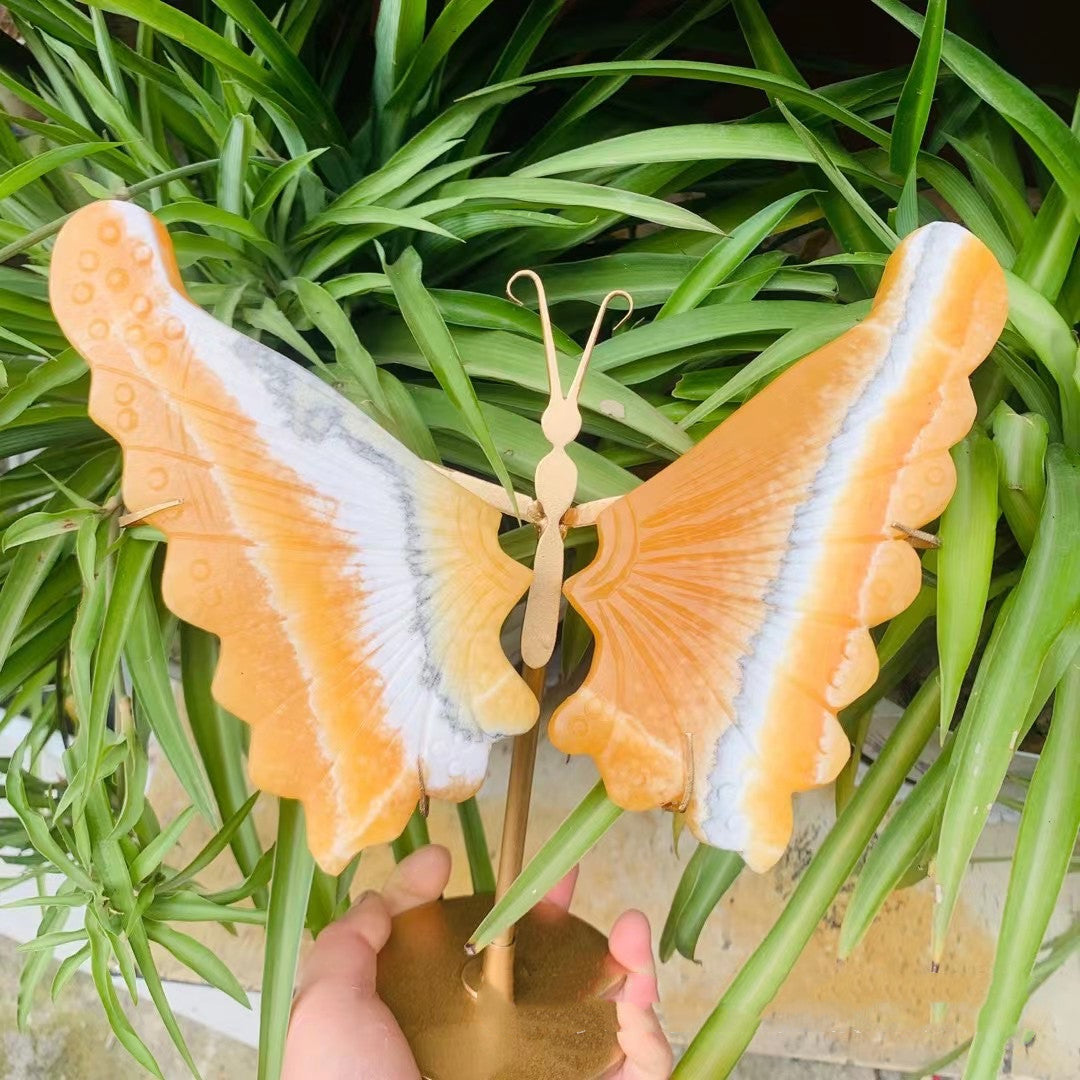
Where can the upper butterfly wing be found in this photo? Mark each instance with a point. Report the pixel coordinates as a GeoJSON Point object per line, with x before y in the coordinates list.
{"type": "Point", "coordinates": [358, 593]}
{"type": "Point", "coordinates": [731, 595]}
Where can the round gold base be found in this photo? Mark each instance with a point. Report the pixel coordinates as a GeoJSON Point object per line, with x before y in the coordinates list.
{"type": "Point", "coordinates": [560, 1025]}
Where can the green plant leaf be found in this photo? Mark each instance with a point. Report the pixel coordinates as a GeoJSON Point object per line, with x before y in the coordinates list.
{"type": "Point", "coordinates": [708, 875]}
{"type": "Point", "coordinates": [132, 566]}
{"type": "Point", "coordinates": [582, 829]}
{"type": "Point", "coordinates": [1043, 601]}
{"type": "Point", "coordinates": [325, 312]}
{"type": "Point", "coordinates": [1054, 343]}
{"type": "Point", "coordinates": [413, 837]}
{"type": "Point", "coordinates": [1044, 847]}
{"type": "Point", "coordinates": [200, 959]}
{"type": "Point", "coordinates": [545, 192]}
{"type": "Point", "coordinates": [427, 327]}
{"type": "Point", "coordinates": [144, 652]}
{"type": "Point", "coordinates": [42, 525]}
{"type": "Point", "coordinates": [476, 849]}
{"type": "Point", "coordinates": [16, 178]}
{"type": "Point", "coordinates": [714, 267]}
{"type": "Point", "coordinates": [917, 96]}
{"type": "Point", "coordinates": [897, 848]}
{"type": "Point", "coordinates": [219, 739]}
{"type": "Point", "coordinates": [1020, 443]}
{"type": "Point", "coordinates": [1036, 123]}
{"type": "Point", "coordinates": [151, 857]}
{"type": "Point", "coordinates": [844, 186]}
{"type": "Point", "coordinates": [968, 534]}
{"type": "Point", "coordinates": [293, 869]}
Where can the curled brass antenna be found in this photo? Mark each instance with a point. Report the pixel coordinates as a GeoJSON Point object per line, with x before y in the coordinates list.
{"type": "Point", "coordinates": [554, 381]}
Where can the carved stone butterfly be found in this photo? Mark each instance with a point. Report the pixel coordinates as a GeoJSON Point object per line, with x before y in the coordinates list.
{"type": "Point", "coordinates": [359, 591]}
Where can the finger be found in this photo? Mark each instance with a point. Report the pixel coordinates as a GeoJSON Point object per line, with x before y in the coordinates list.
{"type": "Point", "coordinates": [418, 879]}
{"type": "Point", "coordinates": [345, 951]}
{"type": "Point", "coordinates": [337, 1019]}
{"type": "Point", "coordinates": [337, 1035]}
{"type": "Point", "coordinates": [630, 944]}
{"type": "Point", "coordinates": [648, 1054]}
{"type": "Point", "coordinates": [563, 893]}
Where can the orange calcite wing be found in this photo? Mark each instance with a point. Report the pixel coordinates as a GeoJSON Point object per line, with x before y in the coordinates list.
{"type": "Point", "coordinates": [731, 594]}
{"type": "Point", "coordinates": [357, 592]}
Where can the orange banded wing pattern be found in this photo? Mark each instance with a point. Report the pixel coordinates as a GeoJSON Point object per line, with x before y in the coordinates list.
{"type": "Point", "coordinates": [731, 595]}
{"type": "Point", "coordinates": [357, 592]}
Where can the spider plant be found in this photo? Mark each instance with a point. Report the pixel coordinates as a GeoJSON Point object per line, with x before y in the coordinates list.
{"type": "Point", "coordinates": [352, 184]}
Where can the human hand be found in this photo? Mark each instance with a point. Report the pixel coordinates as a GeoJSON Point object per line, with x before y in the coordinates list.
{"type": "Point", "coordinates": [341, 1030]}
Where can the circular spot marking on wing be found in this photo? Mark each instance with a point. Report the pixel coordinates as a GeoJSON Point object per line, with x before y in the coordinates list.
{"type": "Point", "coordinates": [117, 279]}
{"type": "Point", "coordinates": [127, 420]}
{"type": "Point", "coordinates": [200, 570]}
{"type": "Point", "coordinates": [579, 727]}
{"type": "Point", "coordinates": [141, 306]}
{"type": "Point", "coordinates": [98, 328]}
{"type": "Point", "coordinates": [174, 327]}
{"type": "Point", "coordinates": [142, 253]}
{"type": "Point", "coordinates": [157, 478]}
{"type": "Point", "coordinates": [88, 260]}
{"type": "Point", "coordinates": [109, 232]}
{"type": "Point", "coordinates": [124, 393]}
{"type": "Point", "coordinates": [83, 293]}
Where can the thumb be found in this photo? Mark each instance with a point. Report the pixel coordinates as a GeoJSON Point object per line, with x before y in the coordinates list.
{"type": "Point", "coordinates": [339, 1028]}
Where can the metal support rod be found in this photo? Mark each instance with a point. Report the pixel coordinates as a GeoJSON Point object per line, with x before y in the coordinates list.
{"type": "Point", "coordinates": [499, 955]}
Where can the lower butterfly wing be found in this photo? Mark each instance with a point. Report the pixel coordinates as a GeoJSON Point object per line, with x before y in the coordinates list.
{"type": "Point", "coordinates": [732, 593]}
{"type": "Point", "coordinates": [358, 593]}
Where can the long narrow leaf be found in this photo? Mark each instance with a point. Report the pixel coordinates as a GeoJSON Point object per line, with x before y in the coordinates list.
{"type": "Point", "coordinates": [1045, 599]}
{"type": "Point", "coordinates": [293, 869]}
{"type": "Point", "coordinates": [1044, 847]}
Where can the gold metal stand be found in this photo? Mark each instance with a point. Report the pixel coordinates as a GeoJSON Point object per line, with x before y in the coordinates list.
{"type": "Point", "coordinates": [499, 955]}
{"type": "Point", "coordinates": [532, 1006]}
